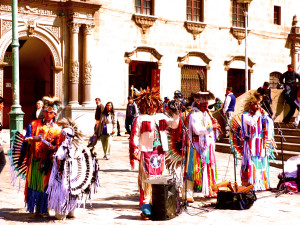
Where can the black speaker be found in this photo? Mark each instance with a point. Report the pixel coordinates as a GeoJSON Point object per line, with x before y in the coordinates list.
{"type": "Point", "coordinates": [298, 177]}
{"type": "Point", "coordinates": [164, 205]}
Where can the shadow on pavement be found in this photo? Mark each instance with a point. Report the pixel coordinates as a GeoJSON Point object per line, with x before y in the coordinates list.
{"type": "Point", "coordinates": [129, 217]}
{"type": "Point", "coordinates": [116, 170]}
{"type": "Point", "coordinates": [17, 216]}
{"type": "Point", "coordinates": [113, 206]}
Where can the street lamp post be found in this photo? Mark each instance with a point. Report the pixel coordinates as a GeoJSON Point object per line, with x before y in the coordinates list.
{"type": "Point", "coordinates": [247, 2]}
{"type": "Point", "coordinates": [16, 115]}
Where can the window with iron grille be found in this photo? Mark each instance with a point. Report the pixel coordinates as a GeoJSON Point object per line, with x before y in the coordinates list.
{"type": "Point", "coordinates": [274, 79]}
{"type": "Point", "coordinates": [238, 17]}
{"type": "Point", "coordinates": [277, 15]}
{"type": "Point", "coordinates": [190, 80]}
{"type": "Point", "coordinates": [144, 7]}
{"type": "Point", "coordinates": [194, 10]}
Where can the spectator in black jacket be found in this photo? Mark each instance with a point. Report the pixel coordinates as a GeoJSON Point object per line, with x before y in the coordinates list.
{"type": "Point", "coordinates": [288, 79]}
{"type": "Point", "coordinates": [265, 92]}
{"type": "Point", "coordinates": [99, 110]}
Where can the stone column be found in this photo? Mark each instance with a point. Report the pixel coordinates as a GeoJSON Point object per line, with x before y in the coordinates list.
{"type": "Point", "coordinates": [87, 69]}
{"type": "Point", "coordinates": [74, 64]}
{"type": "Point", "coordinates": [2, 65]}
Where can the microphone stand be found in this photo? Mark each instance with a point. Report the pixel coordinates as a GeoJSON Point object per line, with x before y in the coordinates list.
{"type": "Point", "coordinates": [184, 205]}
{"type": "Point", "coordinates": [282, 187]}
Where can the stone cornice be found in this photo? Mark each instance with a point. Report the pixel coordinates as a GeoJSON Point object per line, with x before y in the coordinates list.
{"type": "Point", "coordinates": [237, 58]}
{"type": "Point", "coordinates": [53, 7]}
{"type": "Point", "coordinates": [194, 28]}
{"type": "Point", "coordinates": [150, 50]}
{"type": "Point", "coordinates": [194, 54]}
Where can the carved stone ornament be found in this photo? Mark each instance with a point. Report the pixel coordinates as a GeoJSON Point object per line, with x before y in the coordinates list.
{"type": "Point", "coordinates": [87, 73]}
{"type": "Point", "coordinates": [239, 33]}
{"type": "Point", "coordinates": [74, 27]}
{"type": "Point", "coordinates": [237, 58]}
{"type": "Point", "coordinates": [194, 28]}
{"type": "Point", "coordinates": [88, 29]}
{"type": "Point", "coordinates": [30, 25]}
{"type": "Point", "coordinates": [144, 21]}
{"type": "Point", "coordinates": [75, 72]}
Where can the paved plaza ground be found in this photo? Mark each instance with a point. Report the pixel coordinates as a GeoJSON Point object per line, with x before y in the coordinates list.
{"type": "Point", "coordinates": [117, 200]}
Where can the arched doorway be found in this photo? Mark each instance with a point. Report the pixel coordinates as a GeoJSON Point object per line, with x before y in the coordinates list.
{"type": "Point", "coordinates": [35, 74]}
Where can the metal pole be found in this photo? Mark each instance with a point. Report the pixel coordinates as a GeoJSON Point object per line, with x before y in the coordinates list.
{"type": "Point", "coordinates": [16, 115]}
{"type": "Point", "coordinates": [246, 57]}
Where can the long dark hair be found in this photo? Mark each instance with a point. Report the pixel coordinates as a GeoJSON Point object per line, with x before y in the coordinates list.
{"type": "Point", "coordinates": [1, 99]}
{"type": "Point", "coordinates": [111, 111]}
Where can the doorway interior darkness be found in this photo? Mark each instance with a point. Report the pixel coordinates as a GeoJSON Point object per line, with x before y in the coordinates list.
{"type": "Point", "coordinates": [236, 80]}
{"type": "Point", "coordinates": [140, 74]}
{"type": "Point", "coordinates": [35, 76]}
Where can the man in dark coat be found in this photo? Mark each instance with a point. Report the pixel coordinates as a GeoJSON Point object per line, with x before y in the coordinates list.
{"type": "Point", "coordinates": [265, 92]}
{"type": "Point", "coordinates": [288, 79]}
{"type": "Point", "coordinates": [99, 110]}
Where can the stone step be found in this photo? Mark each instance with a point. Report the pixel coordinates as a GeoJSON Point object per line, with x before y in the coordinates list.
{"type": "Point", "coordinates": [288, 139]}
{"type": "Point", "coordinates": [288, 132]}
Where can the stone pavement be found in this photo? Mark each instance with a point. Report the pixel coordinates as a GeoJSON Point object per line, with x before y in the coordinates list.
{"type": "Point", "coordinates": [117, 200]}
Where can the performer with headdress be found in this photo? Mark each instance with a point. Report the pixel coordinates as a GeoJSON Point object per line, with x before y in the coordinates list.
{"type": "Point", "coordinates": [41, 141]}
{"type": "Point", "coordinates": [149, 142]}
{"type": "Point", "coordinates": [252, 136]}
{"type": "Point", "coordinates": [200, 163]}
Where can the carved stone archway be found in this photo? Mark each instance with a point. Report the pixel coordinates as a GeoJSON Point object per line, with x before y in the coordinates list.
{"type": "Point", "coordinates": [50, 40]}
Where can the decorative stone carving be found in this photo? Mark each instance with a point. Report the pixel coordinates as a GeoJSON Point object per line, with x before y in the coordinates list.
{"type": "Point", "coordinates": [88, 29]}
{"type": "Point", "coordinates": [30, 26]}
{"type": "Point", "coordinates": [237, 58]}
{"type": "Point", "coordinates": [201, 55]}
{"type": "Point", "coordinates": [194, 28]}
{"type": "Point", "coordinates": [239, 33]}
{"type": "Point", "coordinates": [144, 21]}
{"type": "Point", "coordinates": [75, 72]}
{"type": "Point", "coordinates": [74, 27]}
{"type": "Point", "coordinates": [6, 26]}
{"type": "Point", "coordinates": [150, 50]}
{"type": "Point", "coordinates": [54, 30]}
{"type": "Point", "coordinates": [87, 73]}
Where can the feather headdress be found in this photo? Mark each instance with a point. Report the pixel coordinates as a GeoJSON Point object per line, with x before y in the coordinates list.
{"type": "Point", "coordinates": [78, 136]}
{"type": "Point", "coordinates": [253, 99]}
{"type": "Point", "coordinates": [51, 104]}
{"type": "Point", "coordinates": [147, 98]}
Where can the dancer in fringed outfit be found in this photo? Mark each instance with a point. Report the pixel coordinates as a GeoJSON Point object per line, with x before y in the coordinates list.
{"type": "Point", "coordinates": [200, 165]}
{"type": "Point", "coordinates": [40, 143]}
{"type": "Point", "coordinates": [254, 141]}
{"type": "Point", "coordinates": [149, 142]}
{"type": "Point", "coordinates": [74, 174]}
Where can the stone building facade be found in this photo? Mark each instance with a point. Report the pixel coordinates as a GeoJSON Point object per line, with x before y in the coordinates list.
{"type": "Point", "coordinates": [79, 49]}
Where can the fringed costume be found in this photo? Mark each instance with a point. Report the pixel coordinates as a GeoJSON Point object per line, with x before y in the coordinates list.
{"type": "Point", "coordinates": [200, 164]}
{"type": "Point", "coordinates": [149, 141]}
{"type": "Point", "coordinates": [39, 163]}
{"type": "Point", "coordinates": [252, 136]}
{"type": "Point", "coordinates": [72, 172]}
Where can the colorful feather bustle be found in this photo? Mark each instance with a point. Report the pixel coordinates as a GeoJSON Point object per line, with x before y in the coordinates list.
{"type": "Point", "coordinates": [236, 138]}
{"type": "Point", "coordinates": [18, 156]}
{"type": "Point", "coordinates": [175, 155]}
